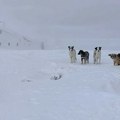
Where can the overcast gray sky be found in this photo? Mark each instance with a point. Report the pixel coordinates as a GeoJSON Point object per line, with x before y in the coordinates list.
{"type": "Point", "coordinates": [63, 18]}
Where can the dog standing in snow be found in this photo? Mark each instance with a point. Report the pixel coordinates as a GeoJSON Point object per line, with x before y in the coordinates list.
{"type": "Point", "coordinates": [116, 58]}
{"type": "Point", "coordinates": [97, 55]}
{"type": "Point", "coordinates": [84, 56]}
{"type": "Point", "coordinates": [72, 54]}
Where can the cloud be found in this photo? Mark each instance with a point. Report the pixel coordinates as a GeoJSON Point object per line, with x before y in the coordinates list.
{"type": "Point", "coordinates": [88, 18]}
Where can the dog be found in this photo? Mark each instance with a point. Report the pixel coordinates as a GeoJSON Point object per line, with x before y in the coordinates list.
{"type": "Point", "coordinates": [116, 58]}
{"type": "Point", "coordinates": [72, 54]}
{"type": "Point", "coordinates": [84, 56]}
{"type": "Point", "coordinates": [97, 55]}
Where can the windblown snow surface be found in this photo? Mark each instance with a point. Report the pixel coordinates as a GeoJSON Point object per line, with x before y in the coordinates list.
{"type": "Point", "coordinates": [28, 90]}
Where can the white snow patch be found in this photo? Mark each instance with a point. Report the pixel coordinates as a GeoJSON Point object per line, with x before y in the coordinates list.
{"type": "Point", "coordinates": [84, 92]}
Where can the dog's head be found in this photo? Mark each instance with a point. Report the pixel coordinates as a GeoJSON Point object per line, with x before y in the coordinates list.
{"type": "Point", "coordinates": [71, 48]}
{"type": "Point", "coordinates": [113, 56]}
{"type": "Point", "coordinates": [98, 48]}
{"type": "Point", "coordinates": [80, 52]}
{"type": "Point", "coordinates": [118, 55]}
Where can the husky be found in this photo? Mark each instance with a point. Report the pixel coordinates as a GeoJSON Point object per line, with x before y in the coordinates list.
{"type": "Point", "coordinates": [72, 54]}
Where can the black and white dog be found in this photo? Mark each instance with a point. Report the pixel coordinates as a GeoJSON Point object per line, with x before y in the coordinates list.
{"type": "Point", "coordinates": [72, 54]}
{"type": "Point", "coordinates": [97, 55]}
{"type": "Point", "coordinates": [84, 56]}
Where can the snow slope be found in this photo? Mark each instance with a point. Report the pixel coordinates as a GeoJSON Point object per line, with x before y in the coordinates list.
{"type": "Point", "coordinates": [84, 92]}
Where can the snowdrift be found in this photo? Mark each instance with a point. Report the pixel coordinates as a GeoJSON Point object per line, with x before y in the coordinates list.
{"type": "Point", "coordinates": [83, 92]}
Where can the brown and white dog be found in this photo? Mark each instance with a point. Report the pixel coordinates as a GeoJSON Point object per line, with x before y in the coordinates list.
{"type": "Point", "coordinates": [97, 55]}
{"type": "Point", "coordinates": [116, 58]}
{"type": "Point", "coordinates": [72, 54]}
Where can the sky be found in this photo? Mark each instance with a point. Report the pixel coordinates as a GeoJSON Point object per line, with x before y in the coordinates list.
{"type": "Point", "coordinates": [63, 19]}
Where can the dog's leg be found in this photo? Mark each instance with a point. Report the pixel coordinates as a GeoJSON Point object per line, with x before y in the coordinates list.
{"type": "Point", "coordinates": [71, 59]}
{"type": "Point", "coordinates": [95, 60]}
{"type": "Point", "coordinates": [114, 62]}
{"type": "Point", "coordinates": [99, 60]}
{"type": "Point", "coordinates": [81, 60]}
{"type": "Point", "coordinates": [74, 59]}
{"type": "Point", "coordinates": [85, 61]}
{"type": "Point", "coordinates": [100, 57]}
{"type": "Point", "coordinates": [88, 60]}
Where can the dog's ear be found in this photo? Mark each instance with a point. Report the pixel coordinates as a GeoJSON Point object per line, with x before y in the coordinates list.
{"type": "Point", "coordinates": [118, 55]}
{"type": "Point", "coordinates": [68, 47]}
{"type": "Point", "coordinates": [79, 52]}
{"type": "Point", "coordinates": [95, 48]}
{"type": "Point", "coordinates": [100, 48]}
{"type": "Point", "coordinates": [72, 47]}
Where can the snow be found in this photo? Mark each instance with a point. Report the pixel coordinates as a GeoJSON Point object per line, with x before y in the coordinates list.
{"type": "Point", "coordinates": [84, 92]}
{"type": "Point", "coordinates": [43, 84]}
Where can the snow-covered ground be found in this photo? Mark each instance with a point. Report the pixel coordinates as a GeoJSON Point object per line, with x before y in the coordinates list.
{"type": "Point", "coordinates": [84, 92]}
